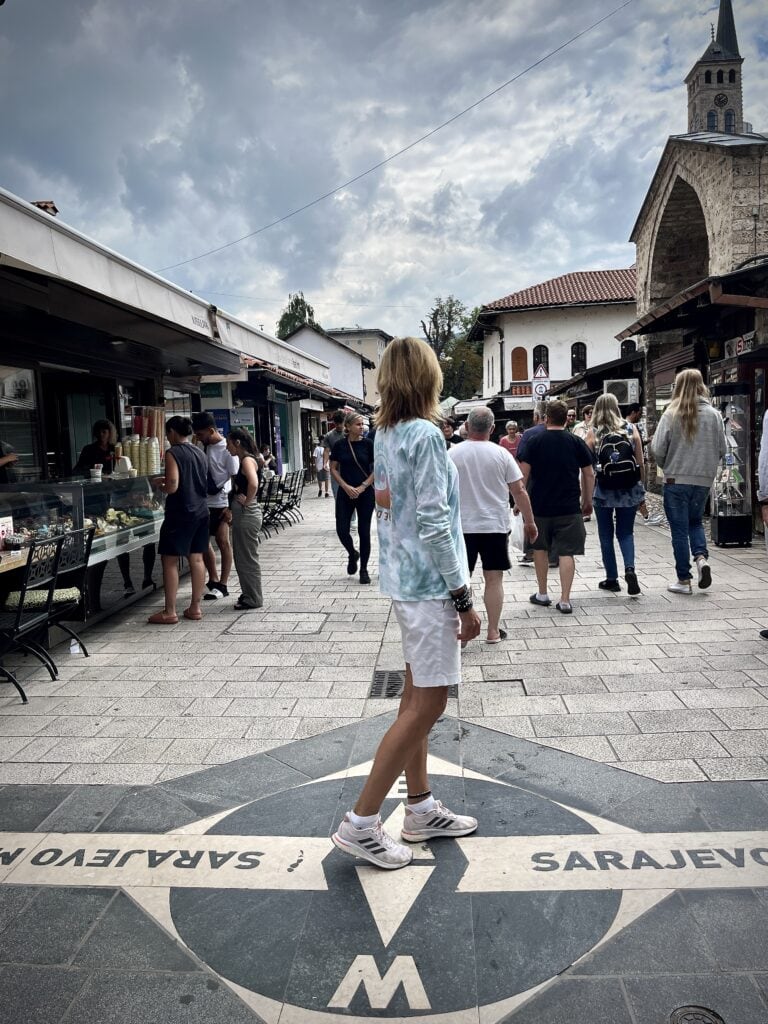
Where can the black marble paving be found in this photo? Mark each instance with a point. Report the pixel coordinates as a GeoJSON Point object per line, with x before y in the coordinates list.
{"type": "Point", "coordinates": [79, 954]}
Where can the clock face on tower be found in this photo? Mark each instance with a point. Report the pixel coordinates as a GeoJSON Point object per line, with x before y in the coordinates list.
{"type": "Point", "coordinates": [721, 100]}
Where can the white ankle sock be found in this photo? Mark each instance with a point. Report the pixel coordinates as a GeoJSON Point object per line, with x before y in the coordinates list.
{"type": "Point", "coordinates": [542, 597]}
{"type": "Point", "coordinates": [423, 805]}
{"type": "Point", "coordinates": [363, 820]}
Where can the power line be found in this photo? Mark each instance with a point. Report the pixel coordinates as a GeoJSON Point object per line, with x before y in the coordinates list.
{"type": "Point", "coordinates": [405, 149]}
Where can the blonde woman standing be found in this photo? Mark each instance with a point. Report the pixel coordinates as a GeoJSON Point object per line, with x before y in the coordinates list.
{"type": "Point", "coordinates": [423, 568]}
{"type": "Point", "coordinates": [688, 445]}
{"type": "Point", "coordinates": [619, 489]}
{"type": "Point", "coordinates": [351, 463]}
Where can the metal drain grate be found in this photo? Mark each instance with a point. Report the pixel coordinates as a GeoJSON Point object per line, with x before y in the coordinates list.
{"type": "Point", "coordinates": [695, 1015]}
{"type": "Point", "coordinates": [389, 683]}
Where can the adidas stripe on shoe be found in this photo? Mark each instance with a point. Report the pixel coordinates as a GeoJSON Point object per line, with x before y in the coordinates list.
{"type": "Point", "coordinates": [438, 821]}
{"type": "Point", "coordinates": [372, 844]}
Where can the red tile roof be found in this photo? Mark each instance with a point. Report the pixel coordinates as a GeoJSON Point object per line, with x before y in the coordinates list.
{"type": "Point", "coordinates": [581, 288]}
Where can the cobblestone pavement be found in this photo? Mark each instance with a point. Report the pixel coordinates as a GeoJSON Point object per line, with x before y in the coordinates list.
{"type": "Point", "coordinates": [674, 688]}
{"type": "Point", "coordinates": [166, 810]}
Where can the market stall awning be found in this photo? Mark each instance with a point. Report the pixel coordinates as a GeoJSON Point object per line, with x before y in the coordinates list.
{"type": "Point", "coordinates": [49, 267]}
{"type": "Point", "coordinates": [746, 287]}
{"type": "Point", "coordinates": [300, 386]}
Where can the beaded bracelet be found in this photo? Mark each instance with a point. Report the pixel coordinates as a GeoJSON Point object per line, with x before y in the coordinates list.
{"type": "Point", "coordinates": [462, 601]}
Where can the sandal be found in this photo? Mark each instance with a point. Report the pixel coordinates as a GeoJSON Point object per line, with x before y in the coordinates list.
{"type": "Point", "coordinates": [195, 616]}
{"type": "Point", "coordinates": [564, 607]}
{"type": "Point", "coordinates": [163, 619]}
{"type": "Point", "coordinates": [502, 636]}
{"type": "Point", "coordinates": [535, 599]}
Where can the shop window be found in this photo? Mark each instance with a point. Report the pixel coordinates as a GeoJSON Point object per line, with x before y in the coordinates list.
{"type": "Point", "coordinates": [712, 121]}
{"type": "Point", "coordinates": [19, 448]}
{"type": "Point", "coordinates": [708, 77]}
{"type": "Point", "coordinates": [730, 121]}
{"type": "Point", "coordinates": [541, 358]}
{"type": "Point", "coordinates": [628, 347]}
{"type": "Point", "coordinates": [578, 358]}
{"type": "Point", "coordinates": [720, 78]}
{"type": "Point", "coordinates": [519, 363]}
{"type": "Point", "coordinates": [731, 76]}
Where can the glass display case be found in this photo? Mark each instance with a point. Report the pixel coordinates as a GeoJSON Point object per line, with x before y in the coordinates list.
{"type": "Point", "coordinates": [127, 513]}
{"type": "Point", "coordinates": [732, 489]}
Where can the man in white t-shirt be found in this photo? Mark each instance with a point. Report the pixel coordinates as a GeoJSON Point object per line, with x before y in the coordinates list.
{"type": "Point", "coordinates": [221, 468]}
{"type": "Point", "coordinates": [487, 476]}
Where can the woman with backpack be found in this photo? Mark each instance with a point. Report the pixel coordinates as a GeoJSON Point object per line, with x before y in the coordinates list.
{"type": "Point", "coordinates": [618, 451]}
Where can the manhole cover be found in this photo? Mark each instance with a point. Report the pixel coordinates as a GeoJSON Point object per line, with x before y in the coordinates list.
{"type": "Point", "coordinates": [695, 1015]}
{"type": "Point", "coordinates": [390, 683]}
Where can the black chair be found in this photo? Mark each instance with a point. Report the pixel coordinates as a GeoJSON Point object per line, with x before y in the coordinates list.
{"type": "Point", "coordinates": [70, 597]}
{"type": "Point", "coordinates": [22, 623]}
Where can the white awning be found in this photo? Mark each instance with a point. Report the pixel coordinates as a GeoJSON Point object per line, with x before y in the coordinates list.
{"type": "Point", "coordinates": [464, 408]}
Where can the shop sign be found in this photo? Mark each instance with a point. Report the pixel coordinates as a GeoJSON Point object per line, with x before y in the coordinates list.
{"type": "Point", "coordinates": [221, 419]}
{"type": "Point", "coordinates": [210, 391]}
{"type": "Point", "coordinates": [243, 418]}
{"type": "Point", "coordinates": [512, 403]}
{"type": "Point", "coordinates": [739, 346]}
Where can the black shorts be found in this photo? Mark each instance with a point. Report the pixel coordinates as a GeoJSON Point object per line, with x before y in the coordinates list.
{"type": "Point", "coordinates": [214, 519]}
{"type": "Point", "coordinates": [183, 537]}
{"type": "Point", "coordinates": [492, 549]}
{"type": "Point", "coordinates": [560, 535]}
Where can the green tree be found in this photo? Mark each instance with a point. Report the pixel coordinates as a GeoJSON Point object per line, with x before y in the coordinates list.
{"type": "Point", "coordinates": [297, 312]}
{"type": "Point", "coordinates": [445, 329]}
{"type": "Point", "coordinates": [444, 323]}
{"type": "Point", "coordinates": [462, 370]}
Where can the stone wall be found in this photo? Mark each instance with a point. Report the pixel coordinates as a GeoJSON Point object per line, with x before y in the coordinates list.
{"type": "Point", "coordinates": [700, 191]}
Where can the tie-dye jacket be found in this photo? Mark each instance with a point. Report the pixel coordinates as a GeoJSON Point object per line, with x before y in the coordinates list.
{"type": "Point", "coordinates": [421, 547]}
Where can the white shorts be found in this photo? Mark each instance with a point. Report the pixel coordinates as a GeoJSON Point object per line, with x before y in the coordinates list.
{"type": "Point", "coordinates": [431, 646]}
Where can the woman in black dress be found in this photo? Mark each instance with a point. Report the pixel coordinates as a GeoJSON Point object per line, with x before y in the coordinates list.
{"type": "Point", "coordinates": [184, 533]}
{"type": "Point", "coordinates": [352, 468]}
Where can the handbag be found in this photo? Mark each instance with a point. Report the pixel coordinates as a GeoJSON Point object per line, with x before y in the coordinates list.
{"type": "Point", "coordinates": [517, 532]}
{"type": "Point", "coordinates": [352, 452]}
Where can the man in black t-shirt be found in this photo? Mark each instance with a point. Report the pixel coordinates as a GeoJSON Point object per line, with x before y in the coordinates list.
{"type": "Point", "coordinates": [558, 475]}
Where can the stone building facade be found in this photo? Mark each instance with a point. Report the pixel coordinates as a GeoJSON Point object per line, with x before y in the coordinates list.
{"type": "Point", "coordinates": [702, 231]}
{"type": "Point", "coordinates": [705, 213]}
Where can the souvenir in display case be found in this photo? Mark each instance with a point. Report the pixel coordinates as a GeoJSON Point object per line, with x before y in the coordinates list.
{"type": "Point", "coordinates": [127, 513]}
{"type": "Point", "coordinates": [732, 488]}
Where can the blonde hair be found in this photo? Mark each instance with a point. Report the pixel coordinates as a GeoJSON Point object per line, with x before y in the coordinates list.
{"type": "Point", "coordinates": [688, 389]}
{"type": "Point", "coordinates": [606, 415]}
{"type": "Point", "coordinates": [350, 418]}
{"type": "Point", "coordinates": [410, 381]}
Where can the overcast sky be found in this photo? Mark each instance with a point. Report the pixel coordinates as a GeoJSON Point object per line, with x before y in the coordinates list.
{"type": "Point", "coordinates": [164, 128]}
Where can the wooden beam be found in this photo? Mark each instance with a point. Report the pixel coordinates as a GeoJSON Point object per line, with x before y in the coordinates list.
{"type": "Point", "coordinates": [720, 298]}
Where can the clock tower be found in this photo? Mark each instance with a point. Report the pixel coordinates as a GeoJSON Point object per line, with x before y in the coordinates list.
{"type": "Point", "coordinates": [715, 101]}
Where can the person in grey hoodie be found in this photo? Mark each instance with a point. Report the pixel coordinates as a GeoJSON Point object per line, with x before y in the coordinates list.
{"type": "Point", "coordinates": [687, 446]}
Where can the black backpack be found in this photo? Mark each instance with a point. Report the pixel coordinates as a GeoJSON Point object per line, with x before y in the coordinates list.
{"type": "Point", "coordinates": [617, 466]}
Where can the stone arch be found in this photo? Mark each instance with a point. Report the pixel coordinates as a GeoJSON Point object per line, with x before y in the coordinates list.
{"type": "Point", "coordinates": [681, 248]}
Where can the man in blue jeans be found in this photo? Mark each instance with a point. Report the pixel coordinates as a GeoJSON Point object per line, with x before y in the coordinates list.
{"type": "Point", "coordinates": [687, 446]}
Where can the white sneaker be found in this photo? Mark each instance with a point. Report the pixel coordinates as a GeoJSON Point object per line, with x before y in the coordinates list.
{"type": "Point", "coordinates": [439, 821]}
{"type": "Point", "coordinates": [373, 844]}
{"type": "Point", "coordinates": [704, 573]}
{"type": "Point", "coordinates": [681, 587]}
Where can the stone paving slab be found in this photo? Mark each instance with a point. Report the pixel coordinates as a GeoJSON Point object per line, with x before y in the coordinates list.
{"type": "Point", "coordinates": [543, 928]}
{"type": "Point", "coordinates": [687, 676]}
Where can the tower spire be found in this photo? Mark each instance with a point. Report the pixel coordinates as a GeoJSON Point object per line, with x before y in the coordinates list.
{"type": "Point", "coordinates": [726, 30]}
